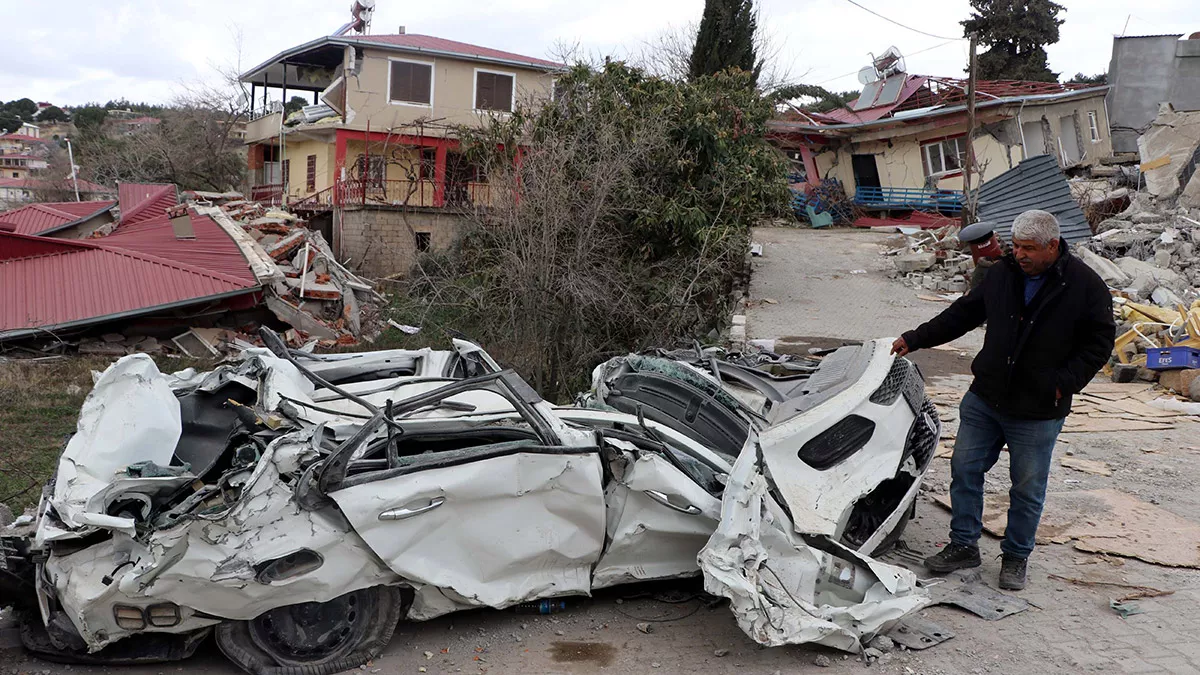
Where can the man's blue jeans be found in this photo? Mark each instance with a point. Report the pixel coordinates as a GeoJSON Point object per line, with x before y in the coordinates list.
{"type": "Point", "coordinates": [982, 432]}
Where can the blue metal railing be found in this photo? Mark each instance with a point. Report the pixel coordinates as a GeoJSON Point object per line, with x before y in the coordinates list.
{"type": "Point", "coordinates": [919, 199]}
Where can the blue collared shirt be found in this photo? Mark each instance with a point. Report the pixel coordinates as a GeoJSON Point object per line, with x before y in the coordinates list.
{"type": "Point", "coordinates": [1032, 285]}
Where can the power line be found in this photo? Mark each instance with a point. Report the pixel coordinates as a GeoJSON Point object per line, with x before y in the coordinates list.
{"type": "Point", "coordinates": [867, 9]}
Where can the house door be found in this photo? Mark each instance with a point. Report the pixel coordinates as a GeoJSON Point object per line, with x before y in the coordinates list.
{"type": "Point", "coordinates": [866, 171]}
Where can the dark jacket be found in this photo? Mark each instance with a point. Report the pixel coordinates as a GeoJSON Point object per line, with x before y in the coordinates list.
{"type": "Point", "coordinates": [1058, 342]}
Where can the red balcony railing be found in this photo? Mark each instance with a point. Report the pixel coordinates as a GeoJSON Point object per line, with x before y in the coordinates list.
{"type": "Point", "coordinates": [270, 194]}
{"type": "Point", "coordinates": [412, 193]}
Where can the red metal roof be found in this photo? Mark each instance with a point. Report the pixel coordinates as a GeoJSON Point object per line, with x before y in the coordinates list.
{"type": "Point", "coordinates": [845, 116]}
{"type": "Point", "coordinates": [212, 249]}
{"type": "Point", "coordinates": [143, 201]}
{"type": "Point", "coordinates": [54, 283]}
{"type": "Point", "coordinates": [47, 217]}
{"type": "Point", "coordinates": [428, 42]}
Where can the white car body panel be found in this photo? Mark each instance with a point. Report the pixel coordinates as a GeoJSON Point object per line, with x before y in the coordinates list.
{"type": "Point", "coordinates": [782, 590]}
{"type": "Point", "coordinates": [496, 531]}
{"type": "Point", "coordinates": [648, 539]}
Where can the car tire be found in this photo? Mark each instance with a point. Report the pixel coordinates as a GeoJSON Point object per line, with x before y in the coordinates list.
{"type": "Point", "coordinates": [314, 638]}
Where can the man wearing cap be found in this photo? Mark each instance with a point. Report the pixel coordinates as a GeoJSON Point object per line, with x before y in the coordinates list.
{"type": "Point", "coordinates": [986, 249]}
{"type": "Point", "coordinates": [1049, 330]}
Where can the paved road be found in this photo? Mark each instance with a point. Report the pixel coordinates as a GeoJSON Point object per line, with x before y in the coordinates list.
{"type": "Point", "coordinates": [1071, 629]}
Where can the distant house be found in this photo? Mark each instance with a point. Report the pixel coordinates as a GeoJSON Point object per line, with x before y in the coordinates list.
{"type": "Point", "coordinates": [31, 130]}
{"type": "Point", "coordinates": [15, 192]}
{"type": "Point", "coordinates": [134, 125]}
{"type": "Point", "coordinates": [64, 220]}
{"type": "Point", "coordinates": [1147, 70]}
{"type": "Point", "coordinates": [380, 136]}
{"type": "Point", "coordinates": [908, 132]}
{"type": "Point", "coordinates": [21, 144]}
{"type": "Point", "coordinates": [17, 165]}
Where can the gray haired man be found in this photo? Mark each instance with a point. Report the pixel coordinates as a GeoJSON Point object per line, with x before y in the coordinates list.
{"type": "Point", "coordinates": [1050, 328]}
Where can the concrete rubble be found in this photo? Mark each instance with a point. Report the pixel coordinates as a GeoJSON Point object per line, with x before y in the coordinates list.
{"type": "Point", "coordinates": [931, 260]}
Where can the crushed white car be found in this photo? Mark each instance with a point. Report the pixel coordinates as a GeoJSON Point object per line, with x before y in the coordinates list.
{"type": "Point", "coordinates": [300, 505]}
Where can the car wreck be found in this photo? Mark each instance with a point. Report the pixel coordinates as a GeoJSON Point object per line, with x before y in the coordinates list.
{"type": "Point", "coordinates": [298, 506]}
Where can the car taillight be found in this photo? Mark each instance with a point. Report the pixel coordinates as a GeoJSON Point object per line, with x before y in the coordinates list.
{"type": "Point", "coordinates": [129, 617]}
{"type": "Point", "coordinates": [838, 442]}
{"type": "Point", "coordinates": [163, 616]}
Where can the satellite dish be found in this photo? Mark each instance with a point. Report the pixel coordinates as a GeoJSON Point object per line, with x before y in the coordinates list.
{"type": "Point", "coordinates": [867, 75]}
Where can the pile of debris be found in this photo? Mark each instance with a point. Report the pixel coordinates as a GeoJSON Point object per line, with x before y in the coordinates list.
{"type": "Point", "coordinates": [310, 290]}
{"type": "Point", "coordinates": [931, 260]}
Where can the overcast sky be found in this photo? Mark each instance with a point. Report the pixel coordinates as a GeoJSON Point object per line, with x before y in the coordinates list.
{"type": "Point", "coordinates": [75, 51]}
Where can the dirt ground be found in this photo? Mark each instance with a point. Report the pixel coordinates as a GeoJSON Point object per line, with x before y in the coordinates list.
{"type": "Point", "coordinates": [1069, 627]}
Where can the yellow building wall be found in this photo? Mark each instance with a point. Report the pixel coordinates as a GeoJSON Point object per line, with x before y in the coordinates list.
{"type": "Point", "coordinates": [297, 153]}
{"type": "Point", "coordinates": [453, 93]}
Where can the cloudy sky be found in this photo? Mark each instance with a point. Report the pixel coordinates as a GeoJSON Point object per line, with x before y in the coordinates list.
{"type": "Point", "coordinates": [146, 50]}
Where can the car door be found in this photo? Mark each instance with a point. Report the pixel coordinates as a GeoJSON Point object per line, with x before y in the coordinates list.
{"type": "Point", "coordinates": [496, 525]}
{"type": "Point", "coordinates": [658, 519]}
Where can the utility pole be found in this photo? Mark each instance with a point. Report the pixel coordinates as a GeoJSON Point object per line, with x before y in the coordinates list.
{"type": "Point", "coordinates": [968, 212]}
{"type": "Point", "coordinates": [74, 175]}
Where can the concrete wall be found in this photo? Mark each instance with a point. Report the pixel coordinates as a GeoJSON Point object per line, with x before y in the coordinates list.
{"type": "Point", "coordinates": [1051, 117]}
{"type": "Point", "coordinates": [297, 152]}
{"type": "Point", "coordinates": [453, 92]}
{"type": "Point", "coordinates": [382, 241]}
{"type": "Point", "coordinates": [1147, 71]}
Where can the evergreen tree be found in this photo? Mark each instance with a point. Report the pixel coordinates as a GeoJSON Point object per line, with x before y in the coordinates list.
{"type": "Point", "coordinates": [53, 114]}
{"type": "Point", "coordinates": [725, 39]}
{"type": "Point", "coordinates": [1015, 33]}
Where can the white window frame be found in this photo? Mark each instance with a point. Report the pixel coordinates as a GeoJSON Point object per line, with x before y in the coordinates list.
{"type": "Point", "coordinates": [1094, 126]}
{"type": "Point", "coordinates": [941, 156]}
{"type": "Point", "coordinates": [512, 100]}
{"type": "Point", "coordinates": [432, 82]}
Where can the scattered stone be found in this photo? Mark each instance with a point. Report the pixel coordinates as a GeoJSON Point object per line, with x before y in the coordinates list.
{"type": "Point", "coordinates": [720, 652]}
{"type": "Point", "coordinates": [883, 643]}
{"type": "Point", "coordinates": [645, 628]}
{"type": "Point", "coordinates": [822, 661]}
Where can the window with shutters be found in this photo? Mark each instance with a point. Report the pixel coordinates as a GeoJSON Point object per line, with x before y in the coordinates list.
{"type": "Point", "coordinates": [410, 82]}
{"type": "Point", "coordinates": [494, 90]}
{"type": "Point", "coordinates": [310, 176]}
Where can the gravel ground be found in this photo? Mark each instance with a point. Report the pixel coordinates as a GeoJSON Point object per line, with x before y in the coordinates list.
{"type": "Point", "coordinates": [1069, 629]}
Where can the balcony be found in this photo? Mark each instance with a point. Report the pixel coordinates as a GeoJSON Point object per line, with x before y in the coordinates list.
{"type": "Point", "coordinates": [262, 127]}
{"type": "Point", "coordinates": [270, 194]}
{"type": "Point", "coordinates": [361, 193]}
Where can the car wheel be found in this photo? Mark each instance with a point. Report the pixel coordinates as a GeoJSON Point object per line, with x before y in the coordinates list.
{"type": "Point", "coordinates": [314, 638]}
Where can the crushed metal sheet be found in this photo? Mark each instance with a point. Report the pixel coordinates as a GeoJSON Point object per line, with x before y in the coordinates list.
{"type": "Point", "coordinates": [915, 632]}
{"type": "Point", "coordinates": [979, 599]}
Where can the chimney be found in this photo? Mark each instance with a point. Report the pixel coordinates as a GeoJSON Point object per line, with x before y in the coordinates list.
{"type": "Point", "coordinates": [401, 30]}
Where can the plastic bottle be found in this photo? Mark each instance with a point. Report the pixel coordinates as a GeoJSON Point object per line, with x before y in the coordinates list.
{"type": "Point", "coordinates": [541, 607]}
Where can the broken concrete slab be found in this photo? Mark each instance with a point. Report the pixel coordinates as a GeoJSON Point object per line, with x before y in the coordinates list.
{"type": "Point", "coordinates": [1167, 148]}
{"type": "Point", "coordinates": [1107, 269]}
{"type": "Point", "coordinates": [292, 315]}
{"type": "Point", "coordinates": [915, 262]}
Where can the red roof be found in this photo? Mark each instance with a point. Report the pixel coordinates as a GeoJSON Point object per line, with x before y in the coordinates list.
{"type": "Point", "coordinates": [436, 44]}
{"type": "Point", "coordinates": [24, 139]}
{"type": "Point", "coordinates": [55, 283]}
{"type": "Point", "coordinates": [845, 116]}
{"type": "Point", "coordinates": [37, 184]}
{"type": "Point", "coordinates": [43, 218]}
{"type": "Point", "coordinates": [212, 249]}
{"type": "Point", "coordinates": [143, 201]}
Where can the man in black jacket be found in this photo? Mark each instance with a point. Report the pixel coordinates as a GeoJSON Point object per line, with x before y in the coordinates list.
{"type": "Point", "coordinates": [1049, 330]}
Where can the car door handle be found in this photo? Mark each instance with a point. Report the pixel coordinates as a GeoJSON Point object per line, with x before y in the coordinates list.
{"type": "Point", "coordinates": [663, 499]}
{"type": "Point", "coordinates": [401, 514]}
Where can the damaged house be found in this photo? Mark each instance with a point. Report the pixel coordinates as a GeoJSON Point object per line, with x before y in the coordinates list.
{"type": "Point", "coordinates": [374, 162]}
{"type": "Point", "coordinates": [902, 142]}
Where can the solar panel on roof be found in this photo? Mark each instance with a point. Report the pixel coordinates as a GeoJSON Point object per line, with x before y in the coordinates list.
{"type": "Point", "coordinates": [867, 98]}
{"type": "Point", "coordinates": [891, 89]}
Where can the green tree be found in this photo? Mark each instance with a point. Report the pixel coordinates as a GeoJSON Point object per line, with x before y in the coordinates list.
{"type": "Point", "coordinates": [24, 108]}
{"type": "Point", "coordinates": [294, 103]}
{"type": "Point", "coordinates": [726, 39]}
{"type": "Point", "coordinates": [90, 117]}
{"type": "Point", "coordinates": [54, 114]}
{"type": "Point", "coordinates": [9, 122]}
{"type": "Point", "coordinates": [1015, 33]}
{"type": "Point", "coordinates": [1097, 79]}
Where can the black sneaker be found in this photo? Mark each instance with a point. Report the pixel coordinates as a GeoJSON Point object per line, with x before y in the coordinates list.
{"type": "Point", "coordinates": [953, 557]}
{"type": "Point", "coordinates": [1012, 572]}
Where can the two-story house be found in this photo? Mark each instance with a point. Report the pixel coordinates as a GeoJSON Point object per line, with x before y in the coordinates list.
{"type": "Point", "coordinates": [375, 159]}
